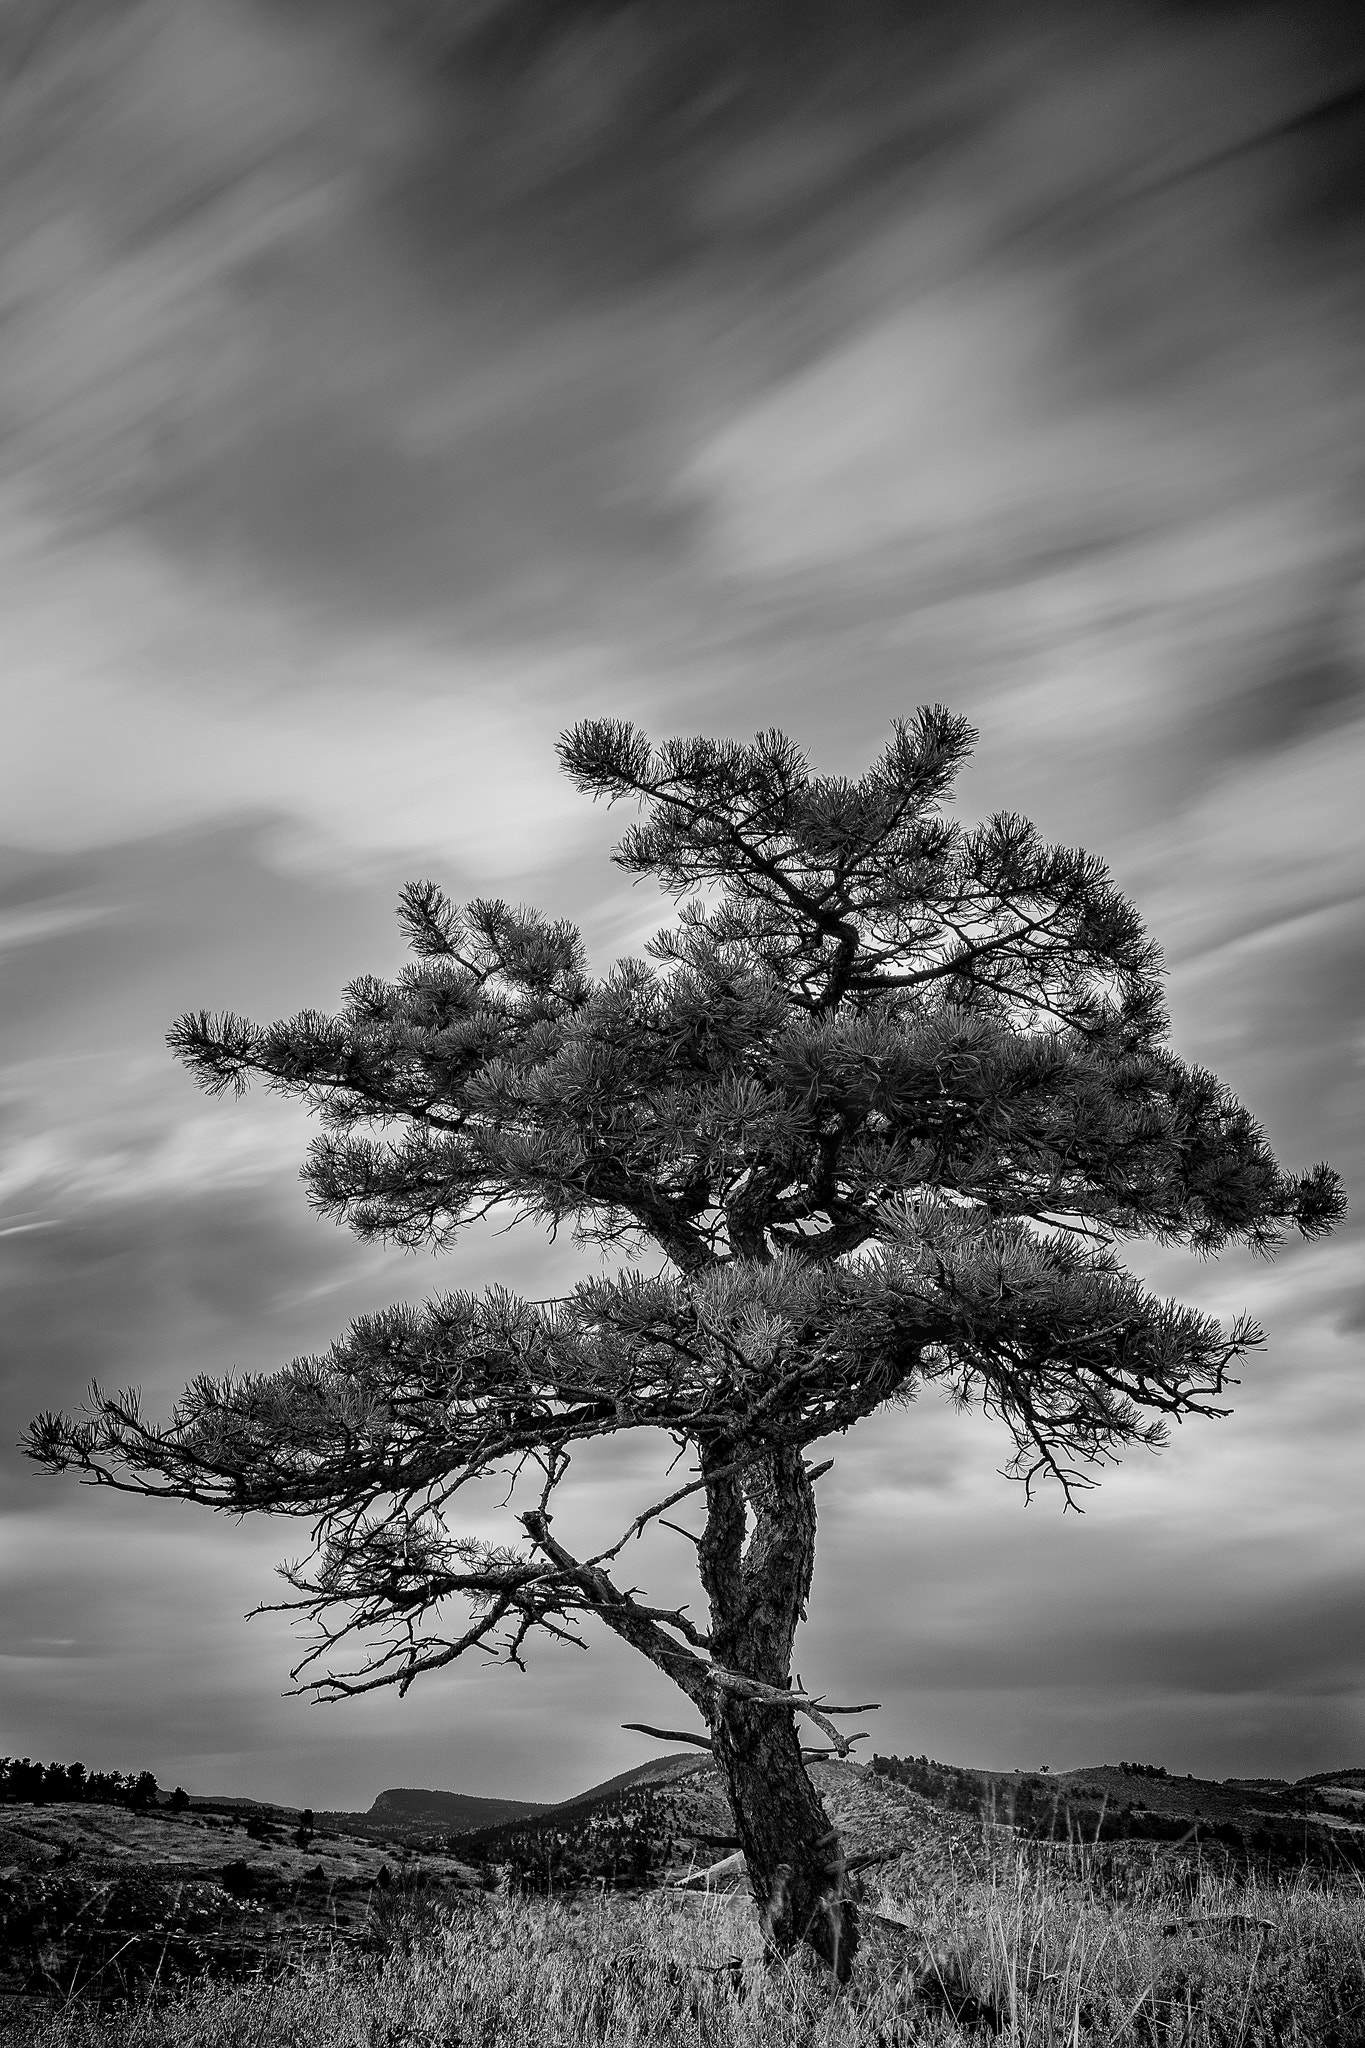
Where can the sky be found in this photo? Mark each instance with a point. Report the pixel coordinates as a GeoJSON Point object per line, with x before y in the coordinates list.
{"type": "Point", "coordinates": [388, 384]}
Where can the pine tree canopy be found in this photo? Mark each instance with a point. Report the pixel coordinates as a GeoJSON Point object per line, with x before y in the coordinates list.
{"type": "Point", "coordinates": [876, 1112]}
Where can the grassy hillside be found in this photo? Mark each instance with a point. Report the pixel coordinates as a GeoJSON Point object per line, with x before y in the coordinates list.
{"type": "Point", "coordinates": [100, 1899]}
{"type": "Point", "coordinates": [1021, 1943]}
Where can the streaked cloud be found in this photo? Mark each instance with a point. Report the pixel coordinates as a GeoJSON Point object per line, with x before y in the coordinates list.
{"type": "Point", "coordinates": [386, 388]}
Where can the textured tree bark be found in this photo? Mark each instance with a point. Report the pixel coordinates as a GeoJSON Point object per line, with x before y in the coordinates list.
{"type": "Point", "coordinates": [757, 1581]}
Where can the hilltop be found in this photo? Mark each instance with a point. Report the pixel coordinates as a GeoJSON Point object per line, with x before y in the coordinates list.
{"type": "Point", "coordinates": [458, 1813]}
{"type": "Point", "coordinates": [1264, 1821]}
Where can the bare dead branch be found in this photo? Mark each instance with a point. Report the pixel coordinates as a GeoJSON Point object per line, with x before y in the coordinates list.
{"type": "Point", "coordinates": [811, 1705]}
{"type": "Point", "coordinates": [643, 1630]}
{"type": "Point", "coordinates": [672, 1735]}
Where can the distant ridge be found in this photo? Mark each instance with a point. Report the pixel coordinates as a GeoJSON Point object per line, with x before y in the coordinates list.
{"type": "Point", "coordinates": [458, 1813]}
{"type": "Point", "coordinates": [465, 1813]}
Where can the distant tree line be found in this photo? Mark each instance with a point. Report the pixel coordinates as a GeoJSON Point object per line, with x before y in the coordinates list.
{"type": "Point", "coordinates": [1144, 1770]}
{"type": "Point", "coordinates": [20, 1778]}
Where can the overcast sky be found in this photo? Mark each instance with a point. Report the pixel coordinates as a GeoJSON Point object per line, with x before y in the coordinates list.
{"type": "Point", "coordinates": [386, 386]}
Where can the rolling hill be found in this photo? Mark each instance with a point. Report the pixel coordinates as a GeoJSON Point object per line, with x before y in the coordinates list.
{"type": "Point", "coordinates": [110, 1893]}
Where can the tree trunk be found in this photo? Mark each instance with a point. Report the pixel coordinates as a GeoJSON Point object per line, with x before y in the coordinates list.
{"type": "Point", "coordinates": [757, 1583]}
{"type": "Point", "coordinates": [796, 1867]}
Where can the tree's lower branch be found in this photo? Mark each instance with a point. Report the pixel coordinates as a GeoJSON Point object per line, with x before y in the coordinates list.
{"type": "Point", "coordinates": [671, 1735]}
{"type": "Point", "coordinates": [642, 1628]}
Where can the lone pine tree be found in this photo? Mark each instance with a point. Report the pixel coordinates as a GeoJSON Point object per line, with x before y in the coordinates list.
{"type": "Point", "coordinates": [882, 1102]}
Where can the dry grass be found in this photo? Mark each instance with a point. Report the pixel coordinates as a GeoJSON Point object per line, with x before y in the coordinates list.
{"type": "Point", "coordinates": [1032, 1951]}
